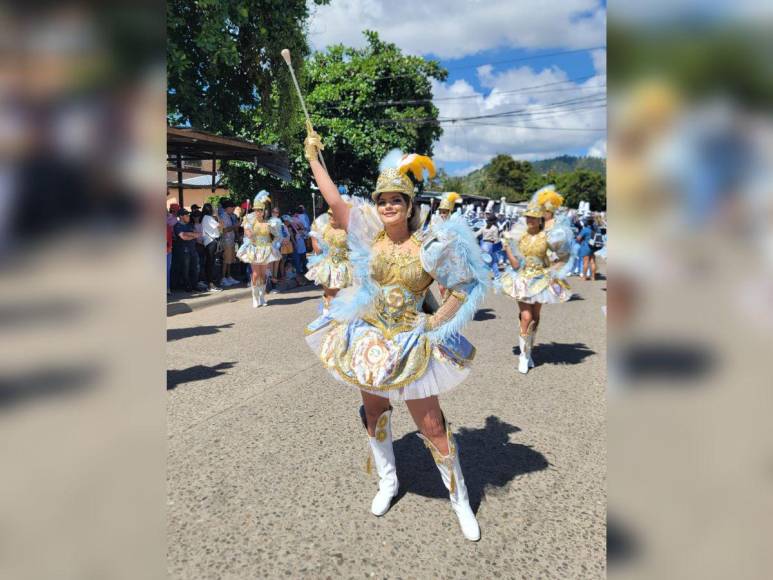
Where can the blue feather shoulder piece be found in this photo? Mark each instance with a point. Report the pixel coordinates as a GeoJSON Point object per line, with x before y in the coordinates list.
{"type": "Point", "coordinates": [451, 254]}
{"type": "Point", "coordinates": [364, 226]}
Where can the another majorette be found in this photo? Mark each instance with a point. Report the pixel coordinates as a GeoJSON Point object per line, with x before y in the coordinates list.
{"type": "Point", "coordinates": [445, 210]}
{"type": "Point", "coordinates": [448, 204]}
{"type": "Point", "coordinates": [377, 337]}
{"type": "Point", "coordinates": [258, 248]}
{"type": "Point", "coordinates": [330, 266]}
{"type": "Point", "coordinates": [530, 278]}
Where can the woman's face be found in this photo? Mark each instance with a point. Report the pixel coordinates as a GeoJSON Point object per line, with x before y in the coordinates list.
{"type": "Point", "coordinates": [392, 208]}
{"type": "Point", "coordinates": [259, 212]}
{"type": "Point", "coordinates": [532, 223]}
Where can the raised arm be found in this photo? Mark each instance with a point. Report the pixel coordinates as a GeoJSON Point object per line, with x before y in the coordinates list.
{"type": "Point", "coordinates": [312, 146]}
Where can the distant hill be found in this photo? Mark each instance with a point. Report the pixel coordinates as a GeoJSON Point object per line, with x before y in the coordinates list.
{"type": "Point", "coordinates": [583, 178]}
{"type": "Point", "coordinates": [568, 163]}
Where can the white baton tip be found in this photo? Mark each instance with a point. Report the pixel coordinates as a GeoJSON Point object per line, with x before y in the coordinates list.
{"type": "Point", "coordinates": [286, 55]}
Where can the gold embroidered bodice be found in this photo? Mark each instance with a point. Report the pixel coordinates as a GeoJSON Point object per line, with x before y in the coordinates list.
{"type": "Point", "coordinates": [336, 240]}
{"type": "Point", "coordinates": [402, 285]}
{"type": "Point", "coordinates": [261, 231]}
{"type": "Point", "coordinates": [392, 266]}
{"type": "Point", "coordinates": [534, 249]}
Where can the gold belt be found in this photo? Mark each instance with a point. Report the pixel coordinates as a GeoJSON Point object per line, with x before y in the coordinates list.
{"type": "Point", "coordinates": [395, 310]}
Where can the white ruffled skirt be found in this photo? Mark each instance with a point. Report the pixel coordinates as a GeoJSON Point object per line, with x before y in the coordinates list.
{"type": "Point", "coordinates": [261, 253]}
{"type": "Point", "coordinates": [402, 368]}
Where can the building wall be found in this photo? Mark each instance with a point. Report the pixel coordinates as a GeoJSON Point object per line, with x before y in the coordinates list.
{"type": "Point", "coordinates": [191, 196]}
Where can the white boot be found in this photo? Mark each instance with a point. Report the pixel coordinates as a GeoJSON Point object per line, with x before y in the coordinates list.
{"type": "Point", "coordinates": [384, 458]}
{"type": "Point", "coordinates": [262, 295]}
{"type": "Point", "coordinates": [254, 290]}
{"type": "Point", "coordinates": [523, 358]}
{"type": "Point", "coordinates": [532, 338]}
{"type": "Point", "coordinates": [451, 472]}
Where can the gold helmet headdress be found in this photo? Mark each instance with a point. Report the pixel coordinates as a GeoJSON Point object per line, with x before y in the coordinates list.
{"type": "Point", "coordinates": [394, 173]}
{"type": "Point", "coordinates": [534, 210]}
{"type": "Point", "coordinates": [262, 199]}
{"type": "Point", "coordinates": [449, 200]}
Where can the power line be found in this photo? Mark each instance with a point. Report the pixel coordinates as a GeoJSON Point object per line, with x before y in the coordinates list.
{"type": "Point", "coordinates": [532, 111]}
{"type": "Point", "coordinates": [585, 129]}
{"type": "Point", "coordinates": [464, 97]}
{"type": "Point", "coordinates": [506, 61]}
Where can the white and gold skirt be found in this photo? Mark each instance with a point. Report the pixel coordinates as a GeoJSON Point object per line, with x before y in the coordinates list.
{"type": "Point", "coordinates": [399, 363]}
{"type": "Point", "coordinates": [534, 286]}
{"type": "Point", "coordinates": [259, 251]}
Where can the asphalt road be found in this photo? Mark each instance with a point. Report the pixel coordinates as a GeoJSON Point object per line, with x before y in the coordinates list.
{"type": "Point", "coordinates": [266, 453]}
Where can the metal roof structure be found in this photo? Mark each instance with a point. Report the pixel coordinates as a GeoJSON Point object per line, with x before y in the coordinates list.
{"type": "Point", "coordinates": [188, 144]}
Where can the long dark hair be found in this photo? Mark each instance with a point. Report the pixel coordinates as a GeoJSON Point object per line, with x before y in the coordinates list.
{"type": "Point", "coordinates": [207, 209]}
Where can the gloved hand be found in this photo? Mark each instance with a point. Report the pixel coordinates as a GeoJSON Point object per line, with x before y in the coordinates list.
{"type": "Point", "coordinates": [312, 145]}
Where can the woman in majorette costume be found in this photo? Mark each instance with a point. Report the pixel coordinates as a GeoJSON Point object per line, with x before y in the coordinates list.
{"type": "Point", "coordinates": [258, 248]}
{"type": "Point", "coordinates": [445, 209]}
{"type": "Point", "coordinates": [330, 266]}
{"type": "Point", "coordinates": [376, 336]}
{"type": "Point", "coordinates": [530, 278]}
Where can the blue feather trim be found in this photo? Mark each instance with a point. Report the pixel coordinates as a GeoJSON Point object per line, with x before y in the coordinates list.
{"type": "Point", "coordinates": [453, 257]}
{"type": "Point", "coordinates": [465, 313]}
{"type": "Point", "coordinates": [354, 302]}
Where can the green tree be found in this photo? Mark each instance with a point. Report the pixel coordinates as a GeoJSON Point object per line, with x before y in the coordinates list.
{"type": "Point", "coordinates": [504, 176]}
{"type": "Point", "coordinates": [224, 61]}
{"type": "Point", "coordinates": [225, 74]}
{"type": "Point", "coordinates": [367, 101]}
{"type": "Point", "coordinates": [583, 185]}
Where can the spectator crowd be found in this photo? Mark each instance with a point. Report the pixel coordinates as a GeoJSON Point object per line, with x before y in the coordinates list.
{"type": "Point", "coordinates": [201, 245]}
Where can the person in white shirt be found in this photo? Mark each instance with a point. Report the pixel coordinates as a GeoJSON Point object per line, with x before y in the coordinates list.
{"type": "Point", "coordinates": [489, 237]}
{"type": "Point", "coordinates": [211, 229]}
{"type": "Point", "coordinates": [230, 224]}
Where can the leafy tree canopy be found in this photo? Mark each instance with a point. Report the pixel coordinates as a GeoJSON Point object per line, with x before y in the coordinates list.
{"type": "Point", "coordinates": [350, 96]}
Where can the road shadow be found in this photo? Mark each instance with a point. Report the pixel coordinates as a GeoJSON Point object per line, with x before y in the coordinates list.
{"type": "Point", "coordinates": [575, 298]}
{"type": "Point", "coordinates": [195, 373]}
{"type": "Point", "coordinates": [484, 314]}
{"type": "Point", "coordinates": [558, 353]}
{"type": "Point", "coordinates": [40, 312]}
{"type": "Point", "coordinates": [622, 545]}
{"type": "Point", "coordinates": [180, 333]}
{"type": "Point", "coordinates": [274, 300]}
{"type": "Point", "coordinates": [46, 382]}
{"type": "Point", "coordinates": [666, 360]}
{"type": "Point", "coordinates": [489, 462]}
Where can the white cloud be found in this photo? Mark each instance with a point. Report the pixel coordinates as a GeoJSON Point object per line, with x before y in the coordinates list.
{"type": "Point", "coordinates": [536, 127]}
{"type": "Point", "coordinates": [599, 61]}
{"type": "Point", "coordinates": [598, 149]}
{"type": "Point", "coordinates": [456, 28]}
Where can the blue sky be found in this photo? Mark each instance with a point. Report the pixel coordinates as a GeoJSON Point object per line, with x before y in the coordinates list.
{"type": "Point", "coordinates": [555, 103]}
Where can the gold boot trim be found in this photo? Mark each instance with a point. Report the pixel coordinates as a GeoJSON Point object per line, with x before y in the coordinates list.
{"type": "Point", "coordinates": [447, 460]}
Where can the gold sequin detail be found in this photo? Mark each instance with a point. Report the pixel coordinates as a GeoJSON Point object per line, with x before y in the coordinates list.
{"type": "Point", "coordinates": [394, 266]}
{"type": "Point", "coordinates": [334, 237]}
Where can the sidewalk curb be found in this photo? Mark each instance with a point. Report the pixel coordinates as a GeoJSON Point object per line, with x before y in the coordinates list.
{"type": "Point", "coordinates": [186, 306]}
